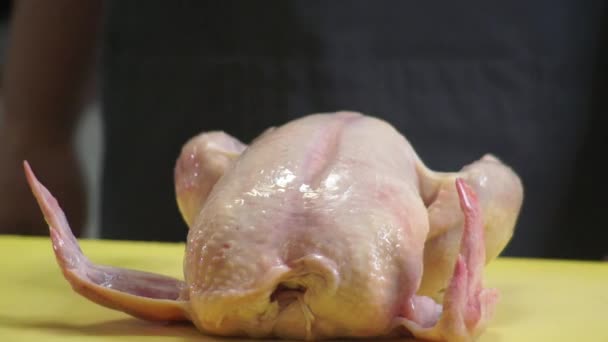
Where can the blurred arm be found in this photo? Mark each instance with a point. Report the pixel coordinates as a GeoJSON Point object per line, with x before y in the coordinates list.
{"type": "Point", "coordinates": [50, 57]}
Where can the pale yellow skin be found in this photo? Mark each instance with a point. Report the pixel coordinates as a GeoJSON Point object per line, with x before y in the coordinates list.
{"type": "Point", "coordinates": [336, 204]}
{"type": "Point", "coordinates": [328, 226]}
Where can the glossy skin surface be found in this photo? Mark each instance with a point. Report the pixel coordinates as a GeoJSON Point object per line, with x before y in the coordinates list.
{"type": "Point", "coordinates": [328, 226]}
{"type": "Point", "coordinates": [315, 214]}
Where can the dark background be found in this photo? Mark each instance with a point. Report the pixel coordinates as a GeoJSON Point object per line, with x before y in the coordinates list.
{"type": "Point", "coordinates": [524, 80]}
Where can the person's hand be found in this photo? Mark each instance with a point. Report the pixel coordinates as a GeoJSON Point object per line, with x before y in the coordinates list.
{"type": "Point", "coordinates": [56, 166]}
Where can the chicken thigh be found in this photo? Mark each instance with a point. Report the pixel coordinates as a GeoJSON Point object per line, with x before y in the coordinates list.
{"type": "Point", "coordinates": [328, 226]}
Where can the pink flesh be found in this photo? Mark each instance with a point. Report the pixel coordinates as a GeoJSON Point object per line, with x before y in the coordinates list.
{"type": "Point", "coordinates": [472, 254]}
{"type": "Point", "coordinates": [467, 306]}
{"type": "Point", "coordinates": [72, 261]}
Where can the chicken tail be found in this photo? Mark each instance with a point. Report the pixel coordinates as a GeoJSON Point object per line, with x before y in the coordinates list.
{"type": "Point", "coordinates": [140, 294]}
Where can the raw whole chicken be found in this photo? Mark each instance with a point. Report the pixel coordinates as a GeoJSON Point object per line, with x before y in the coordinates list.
{"type": "Point", "coordinates": [329, 226]}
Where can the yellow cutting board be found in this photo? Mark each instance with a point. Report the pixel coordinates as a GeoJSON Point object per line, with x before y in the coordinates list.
{"type": "Point", "coordinates": [540, 300]}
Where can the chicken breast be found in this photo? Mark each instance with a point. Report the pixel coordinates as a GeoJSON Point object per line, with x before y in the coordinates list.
{"type": "Point", "coordinates": [328, 226]}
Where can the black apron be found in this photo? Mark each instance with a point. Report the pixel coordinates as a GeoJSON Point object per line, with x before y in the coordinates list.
{"type": "Point", "coordinates": [518, 79]}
